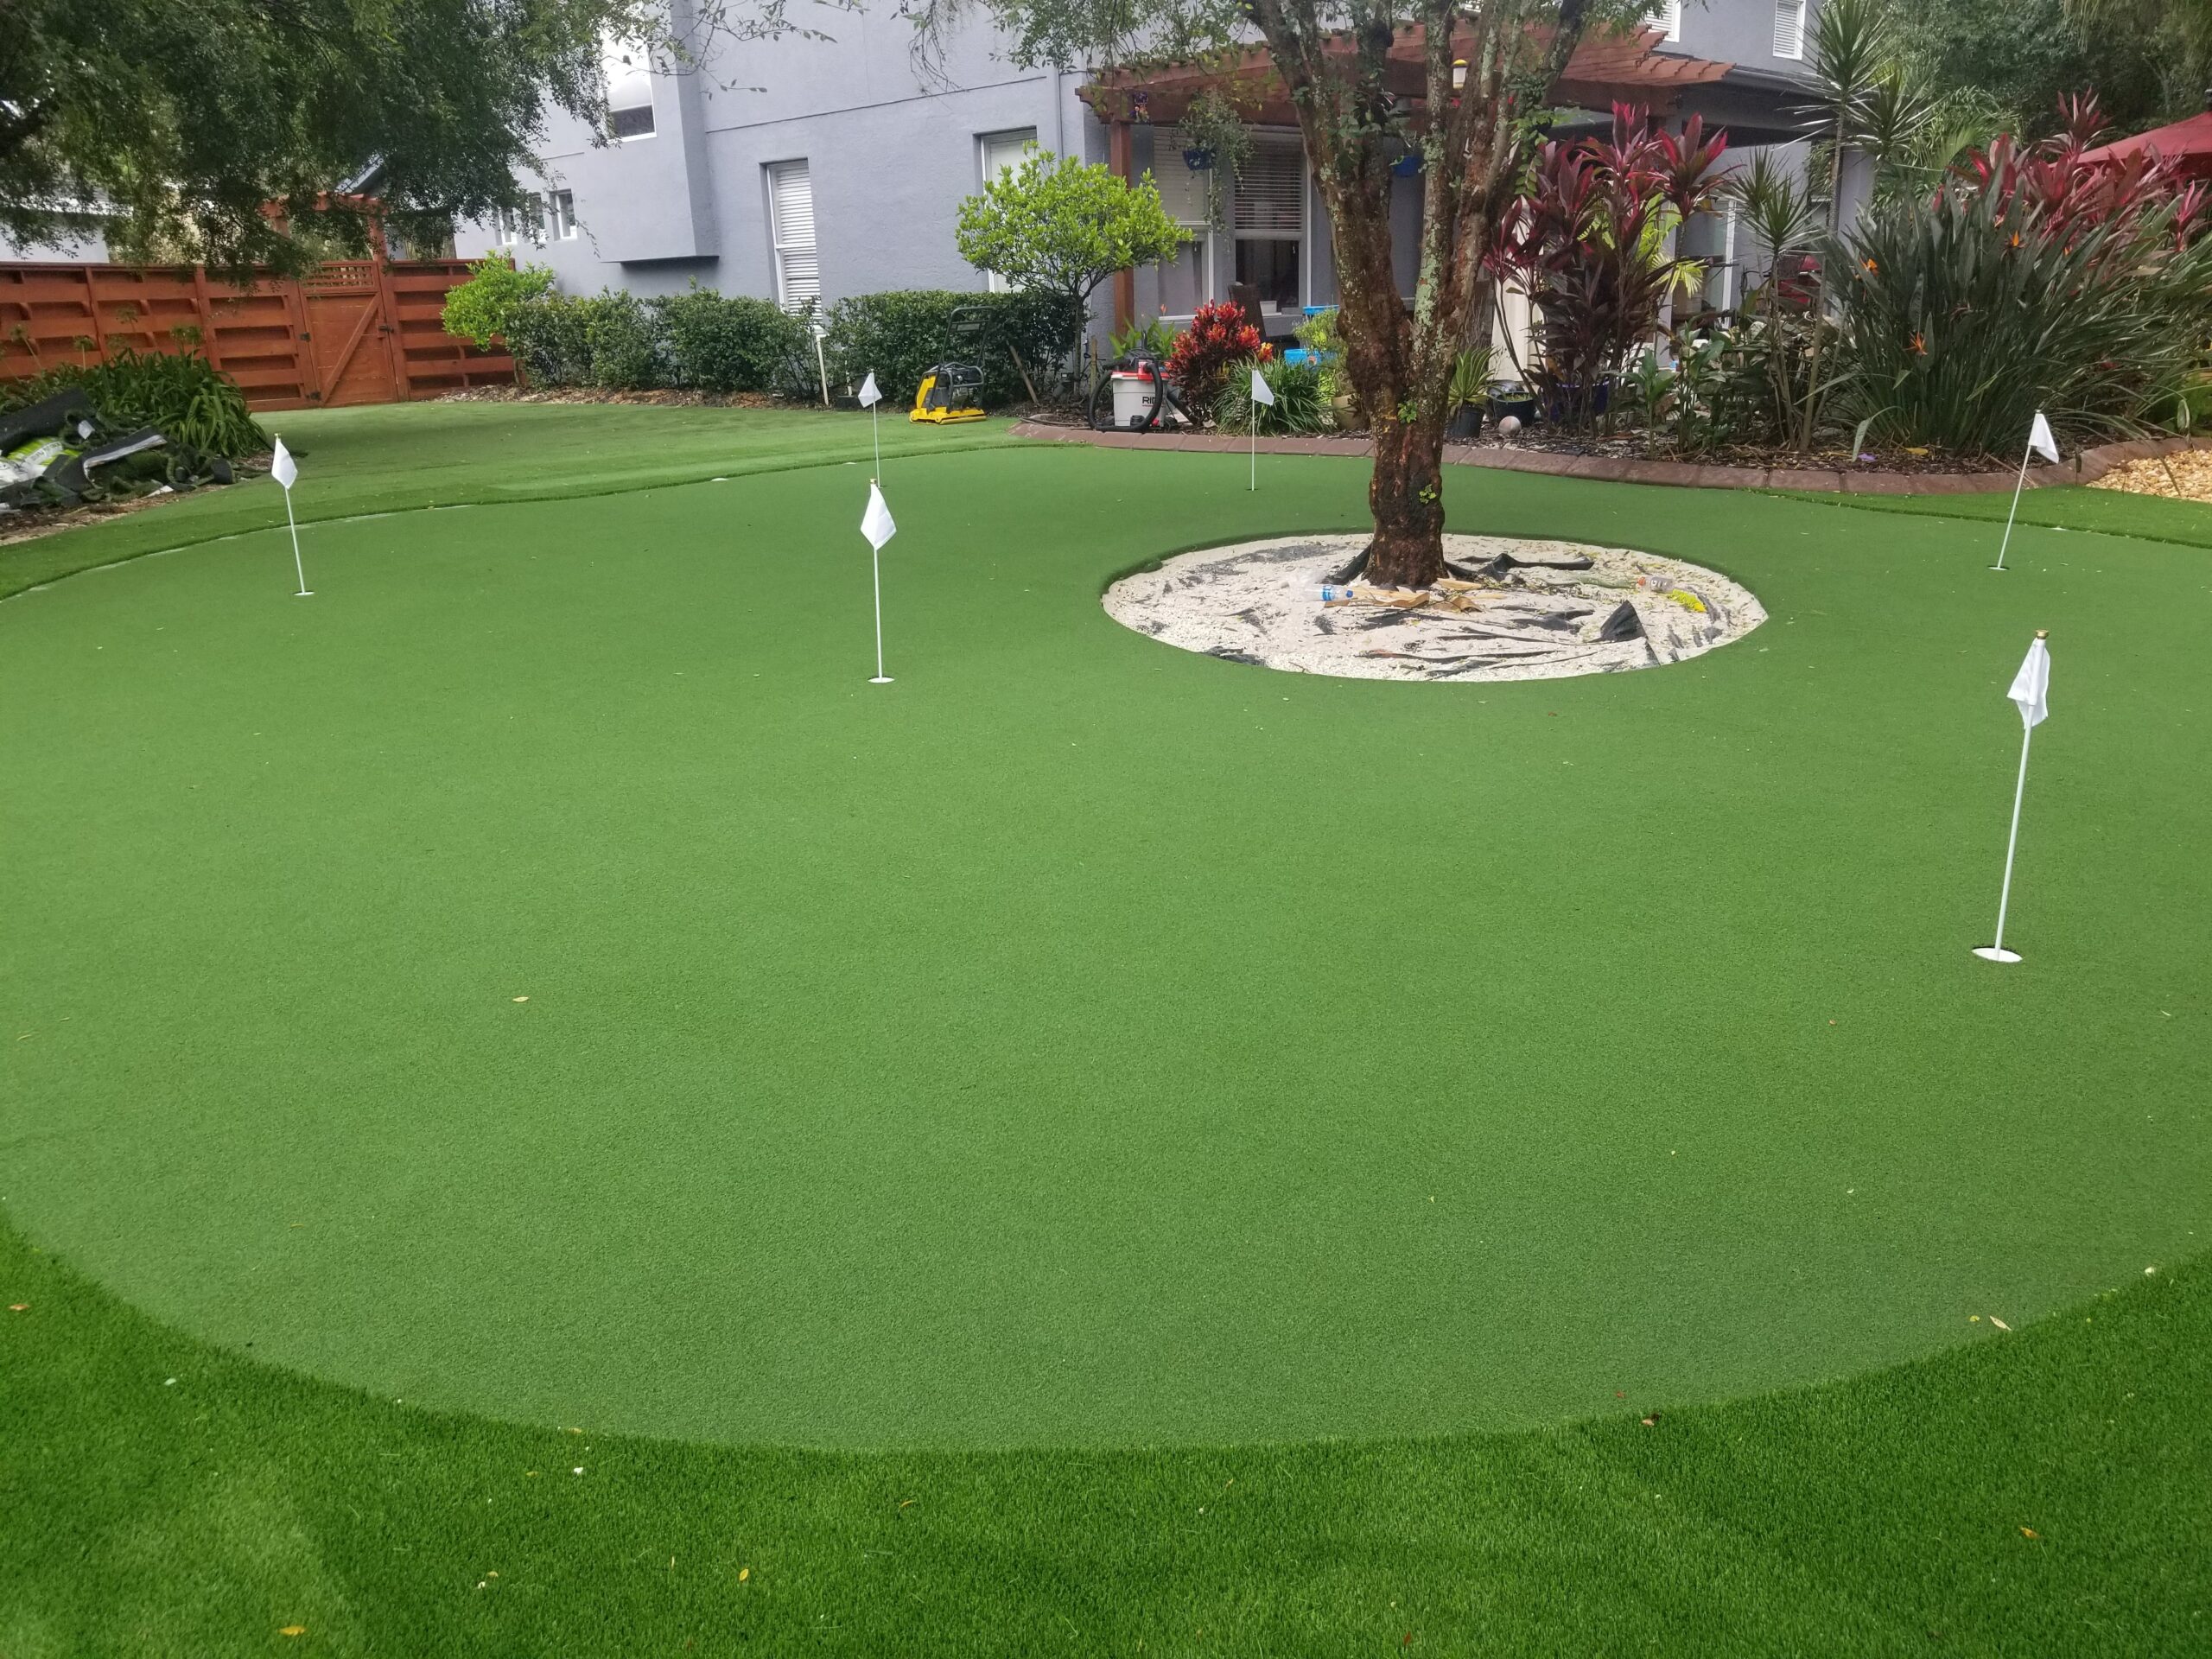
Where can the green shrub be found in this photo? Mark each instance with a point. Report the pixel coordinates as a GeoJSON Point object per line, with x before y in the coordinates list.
{"type": "Point", "coordinates": [1299, 407]}
{"type": "Point", "coordinates": [548, 339]}
{"type": "Point", "coordinates": [899, 335]}
{"type": "Point", "coordinates": [625, 342]}
{"type": "Point", "coordinates": [730, 342]}
{"type": "Point", "coordinates": [185, 396]}
{"type": "Point", "coordinates": [724, 343]}
{"type": "Point", "coordinates": [482, 308]}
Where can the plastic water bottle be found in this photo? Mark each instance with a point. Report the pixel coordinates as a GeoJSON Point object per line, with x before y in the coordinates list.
{"type": "Point", "coordinates": [1332, 595]}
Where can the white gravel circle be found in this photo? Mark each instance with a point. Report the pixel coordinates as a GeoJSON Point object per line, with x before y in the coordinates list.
{"type": "Point", "coordinates": [1527, 618]}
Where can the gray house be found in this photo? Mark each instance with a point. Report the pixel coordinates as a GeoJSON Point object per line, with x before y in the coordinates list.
{"type": "Point", "coordinates": [812, 170]}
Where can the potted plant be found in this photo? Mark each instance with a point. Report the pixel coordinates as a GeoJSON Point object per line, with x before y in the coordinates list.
{"type": "Point", "coordinates": [1512, 399]}
{"type": "Point", "coordinates": [1470, 382]}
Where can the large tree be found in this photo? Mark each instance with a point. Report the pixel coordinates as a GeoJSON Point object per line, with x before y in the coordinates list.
{"type": "Point", "coordinates": [169, 125]}
{"type": "Point", "coordinates": [1471, 127]}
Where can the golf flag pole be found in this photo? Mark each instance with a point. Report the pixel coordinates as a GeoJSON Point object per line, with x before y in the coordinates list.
{"type": "Point", "coordinates": [870, 396]}
{"type": "Point", "coordinates": [2030, 692]}
{"type": "Point", "coordinates": [1262, 393]}
{"type": "Point", "coordinates": [285, 470]}
{"type": "Point", "coordinates": [2040, 440]}
{"type": "Point", "coordinates": [876, 526]}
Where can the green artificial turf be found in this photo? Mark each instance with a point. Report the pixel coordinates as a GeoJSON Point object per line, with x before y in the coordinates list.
{"type": "Point", "coordinates": [2109, 512]}
{"type": "Point", "coordinates": [1083, 1044]}
{"type": "Point", "coordinates": [2044, 1492]}
{"type": "Point", "coordinates": [399, 455]}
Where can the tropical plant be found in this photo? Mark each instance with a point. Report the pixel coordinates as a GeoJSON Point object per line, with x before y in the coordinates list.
{"type": "Point", "coordinates": [1588, 238]}
{"type": "Point", "coordinates": [181, 394]}
{"type": "Point", "coordinates": [479, 309]}
{"type": "Point", "coordinates": [2035, 279]}
{"type": "Point", "coordinates": [1150, 336]}
{"type": "Point", "coordinates": [1220, 335]}
{"type": "Point", "coordinates": [1471, 377]}
{"type": "Point", "coordinates": [1060, 226]}
{"type": "Point", "coordinates": [1776, 333]}
{"type": "Point", "coordinates": [1299, 407]}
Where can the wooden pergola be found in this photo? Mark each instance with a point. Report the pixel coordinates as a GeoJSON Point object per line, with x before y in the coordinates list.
{"type": "Point", "coordinates": [1626, 67]}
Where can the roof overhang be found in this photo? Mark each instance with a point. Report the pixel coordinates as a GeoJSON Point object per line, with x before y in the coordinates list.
{"type": "Point", "coordinates": [1615, 67]}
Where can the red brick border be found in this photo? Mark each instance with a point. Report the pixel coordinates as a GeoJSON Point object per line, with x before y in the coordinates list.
{"type": "Point", "coordinates": [2088, 465]}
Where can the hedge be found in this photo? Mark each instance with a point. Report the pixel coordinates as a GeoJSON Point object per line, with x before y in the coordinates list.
{"type": "Point", "coordinates": [720, 343]}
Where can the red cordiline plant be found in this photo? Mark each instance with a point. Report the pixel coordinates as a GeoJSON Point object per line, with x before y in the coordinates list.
{"type": "Point", "coordinates": [1220, 335]}
{"type": "Point", "coordinates": [1587, 237]}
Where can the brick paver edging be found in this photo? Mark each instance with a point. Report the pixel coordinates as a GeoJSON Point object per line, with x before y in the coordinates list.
{"type": "Point", "coordinates": [2090, 464]}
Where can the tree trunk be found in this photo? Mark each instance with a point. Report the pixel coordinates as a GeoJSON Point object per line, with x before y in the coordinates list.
{"type": "Point", "coordinates": [1399, 359]}
{"type": "Point", "coordinates": [1405, 495]}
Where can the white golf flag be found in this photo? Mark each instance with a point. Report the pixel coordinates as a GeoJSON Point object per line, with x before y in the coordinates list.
{"type": "Point", "coordinates": [1262, 392]}
{"type": "Point", "coordinates": [2040, 439]}
{"type": "Point", "coordinates": [2032, 686]}
{"type": "Point", "coordinates": [283, 467]}
{"type": "Point", "coordinates": [875, 523]}
{"type": "Point", "coordinates": [870, 396]}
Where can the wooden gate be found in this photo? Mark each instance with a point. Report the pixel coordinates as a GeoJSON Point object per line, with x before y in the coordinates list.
{"type": "Point", "coordinates": [350, 340]}
{"type": "Point", "coordinates": [365, 331]}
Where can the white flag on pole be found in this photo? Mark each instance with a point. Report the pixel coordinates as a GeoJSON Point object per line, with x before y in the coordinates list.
{"type": "Point", "coordinates": [1262, 392]}
{"type": "Point", "coordinates": [870, 396]}
{"type": "Point", "coordinates": [2032, 686]}
{"type": "Point", "coordinates": [283, 467]}
{"type": "Point", "coordinates": [875, 523]}
{"type": "Point", "coordinates": [2041, 440]}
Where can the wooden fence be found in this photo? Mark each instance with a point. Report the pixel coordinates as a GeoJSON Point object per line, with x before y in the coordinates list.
{"type": "Point", "coordinates": [365, 331]}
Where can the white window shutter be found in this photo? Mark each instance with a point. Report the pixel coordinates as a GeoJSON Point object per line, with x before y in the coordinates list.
{"type": "Point", "coordinates": [1668, 17]}
{"type": "Point", "coordinates": [790, 213]}
{"type": "Point", "coordinates": [1788, 28]}
{"type": "Point", "coordinates": [1271, 190]}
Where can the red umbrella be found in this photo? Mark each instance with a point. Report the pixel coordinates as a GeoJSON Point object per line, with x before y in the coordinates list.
{"type": "Point", "coordinates": [2186, 144]}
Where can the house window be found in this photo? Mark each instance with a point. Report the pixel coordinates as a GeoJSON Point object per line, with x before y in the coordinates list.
{"type": "Point", "coordinates": [1186, 279]}
{"type": "Point", "coordinates": [1788, 28]}
{"type": "Point", "coordinates": [564, 205]}
{"type": "Point", "coordinates": [1269, 221]}
{"type": "Point", "coordinates": [1002, 152]}
{"type": "Point", "coordinates": [791, 230]}
{"type": "Point", "coordinates": [629, 91]}
{"type": "Point", "coordinates": [524, 223]}
{"type": "Point", "coordinates": [1667, 18]}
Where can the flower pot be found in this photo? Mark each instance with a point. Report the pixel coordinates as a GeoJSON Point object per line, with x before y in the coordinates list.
{"type": "Point", "coordinates": [1346, 411]}
{"type": "Point", "coordinates": [1198, 159]}
{"type": "Point", "coordinates": [1466, 423]}
{"type": "Point", "coordinates": [1522, 409]}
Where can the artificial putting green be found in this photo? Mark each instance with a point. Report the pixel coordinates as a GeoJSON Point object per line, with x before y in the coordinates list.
{"type": "Point", "coordinates": [1081, 1042]}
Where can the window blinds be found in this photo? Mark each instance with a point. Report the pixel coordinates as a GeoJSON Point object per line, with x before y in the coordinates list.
{"type": "Point", "coordinates": [1667, 16]}
{"type": "Point", "coordinates": [1271, 189]}
{"type": "Point", "coordinates": [1182, 191]}
{"type": "Point", "coordinates": [790, 213]}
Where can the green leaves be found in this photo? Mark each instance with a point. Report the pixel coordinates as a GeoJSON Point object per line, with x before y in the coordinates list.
{"type": "Point", "coordinates": [1064, 226]}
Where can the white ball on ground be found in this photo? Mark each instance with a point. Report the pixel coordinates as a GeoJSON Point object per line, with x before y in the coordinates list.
{"type": "Point", "coordinates": [1508, 425]}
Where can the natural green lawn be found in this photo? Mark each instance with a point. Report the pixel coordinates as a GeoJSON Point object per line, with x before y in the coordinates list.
{"type": "Point", "coordinates": [1081, 1043]}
